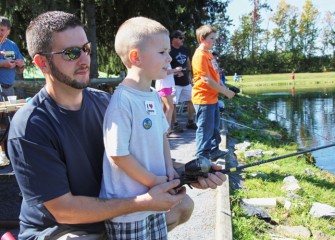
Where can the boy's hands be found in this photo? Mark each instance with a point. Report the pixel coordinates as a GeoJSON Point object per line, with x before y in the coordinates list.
{"type": "Point", "coordinates": [159, 180]}
{"type": "Point", "coordinates": [171, 173]}
{"type": "Point", "coordinates": [228, 93]}
{"type": "Point", "coordinates": [213, 180]}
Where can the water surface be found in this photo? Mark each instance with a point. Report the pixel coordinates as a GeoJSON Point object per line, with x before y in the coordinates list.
{"type": "Point", "coordinates": [309, 115]}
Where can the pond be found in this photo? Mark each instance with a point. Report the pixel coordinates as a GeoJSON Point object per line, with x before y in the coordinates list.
{"type": "Point", "coordinates": [309, 115]}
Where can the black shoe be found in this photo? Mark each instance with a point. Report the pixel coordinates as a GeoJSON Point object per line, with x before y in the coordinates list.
{"type": "Point", "coordinates": [177, 128]}
{"type": "Point", "coordinates": [219, 154]}
{"type": "Point", "coordinates": [191, 125]}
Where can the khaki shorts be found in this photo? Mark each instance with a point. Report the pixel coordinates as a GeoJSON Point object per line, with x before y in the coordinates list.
{"type": "Point", "coordinates": [182, 94]}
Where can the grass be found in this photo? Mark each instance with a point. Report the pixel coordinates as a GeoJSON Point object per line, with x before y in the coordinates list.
{"type": "Point", "coordinates": [318, 187]}
{"type": "Point", "coordinates": [282, 82]}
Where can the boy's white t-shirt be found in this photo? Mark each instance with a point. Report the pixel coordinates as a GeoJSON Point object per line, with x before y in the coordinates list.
{"type": "Point", "coordinates": [167, 82]}
{"type": "Point", "coordinates": [134, 124]}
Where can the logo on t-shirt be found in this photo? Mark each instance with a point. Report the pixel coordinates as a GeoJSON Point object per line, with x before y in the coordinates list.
{"type": "Point", "coordinates": [150, 107]}
{"type": "Point", "coordinates": [9, 55]}
{"type": "Point", "coordinates": [147, 123]}
{"type": "Point", "coordinates": [181, 58]}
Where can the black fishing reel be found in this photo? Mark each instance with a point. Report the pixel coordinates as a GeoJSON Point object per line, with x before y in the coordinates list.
{"type": "Point", "coordinates": [236, 90]}
{"type": "Point", "coordinates": [199, 167]}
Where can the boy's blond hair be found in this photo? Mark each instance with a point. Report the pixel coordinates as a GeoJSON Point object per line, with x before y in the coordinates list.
{"type": "Point", "coordinates": [203, 31]}
{"type": "Point", "coordinates": [133, 34]}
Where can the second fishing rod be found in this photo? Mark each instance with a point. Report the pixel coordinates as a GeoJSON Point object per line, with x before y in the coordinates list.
{"type": "Point", "coordinates": [201, 167]}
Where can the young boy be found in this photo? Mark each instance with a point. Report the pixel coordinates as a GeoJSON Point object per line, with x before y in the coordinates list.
{"type": "Point", "coordinates": [205, 91]}
{"type": "Point", "coordinates": [137, 152]}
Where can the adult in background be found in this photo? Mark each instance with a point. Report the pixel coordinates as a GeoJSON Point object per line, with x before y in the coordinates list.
{"type": "Point", "coordinates": [11, 60]}
{"type": "Point", "coordinates": [56, 144]}
{"type": "Point", "coordinates": [183, 80]}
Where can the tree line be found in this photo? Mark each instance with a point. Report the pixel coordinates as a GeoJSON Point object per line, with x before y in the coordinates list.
{"type": "Point", "coordinates": [301, 40]}
{"type": "Point", "coordinates": [246, 50]}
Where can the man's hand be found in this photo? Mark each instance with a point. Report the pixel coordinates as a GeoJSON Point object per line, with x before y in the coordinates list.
{"type": "Point", "coordinates": [19, 63]}
{"type": "Point", "coordinates": [180, 74]}
{"type": "Point", "coordinates": [213, 180]}
{"type": "Point", "coordinates": [159, 198]}
{"type": "Point", "coordinates": [8, 63]}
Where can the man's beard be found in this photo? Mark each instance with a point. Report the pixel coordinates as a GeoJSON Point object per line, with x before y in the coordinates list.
{"type": "Point", "coordinates": [61, 77]}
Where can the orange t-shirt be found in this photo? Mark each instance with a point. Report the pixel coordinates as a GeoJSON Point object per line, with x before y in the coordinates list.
{"type": "Point", "coordinates": [204, 63]}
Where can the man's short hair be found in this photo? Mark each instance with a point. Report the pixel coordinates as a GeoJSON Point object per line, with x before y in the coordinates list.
{"type": "Point", "coordinates": [40, 30]}
{"type": "Point", "coordinates": [134, 33]}
{"type": "Point", "coordinates": [5, 22]}
{"type": "Point", "coordinates": [204, 31]}
{"type": "Point", "coordinates": [177, 34]}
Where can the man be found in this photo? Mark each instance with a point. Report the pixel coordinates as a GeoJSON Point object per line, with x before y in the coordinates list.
{"type": "Point", "coordinates": [183, 80]}
{"type": "Point", "coordinates": [56, 144]}
{"type": "Point", "coordinates": [11, 60]}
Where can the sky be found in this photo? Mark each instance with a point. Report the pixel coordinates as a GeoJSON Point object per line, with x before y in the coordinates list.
{"type": "Point", "coordinates": [237, 8]}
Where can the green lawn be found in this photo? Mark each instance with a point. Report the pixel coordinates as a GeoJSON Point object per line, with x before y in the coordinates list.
{"type": "Point", "coordinates": [283, 82]}
{"type": "Point", "coordinates": [300, 78]}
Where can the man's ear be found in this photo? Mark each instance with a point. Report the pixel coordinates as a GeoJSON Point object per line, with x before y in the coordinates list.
{"type": "Point", "coordinates": [42, 63]}
{"type": "Point", "coordinates": [134, 57]}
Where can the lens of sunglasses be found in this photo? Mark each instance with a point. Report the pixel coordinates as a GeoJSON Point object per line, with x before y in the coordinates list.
{"type": "Point", "coordinates": [74, 53]}
{"type": "Point", "coordinates": [181, 38]}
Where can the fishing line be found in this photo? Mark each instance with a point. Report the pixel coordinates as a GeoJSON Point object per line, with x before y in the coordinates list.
{"type": "Point", "coordinates": [223, 119]}
{"type": "Point", "coordinates": [260, 106]}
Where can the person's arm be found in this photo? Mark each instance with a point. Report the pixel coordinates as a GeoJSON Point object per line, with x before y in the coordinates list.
{"type": "Point", "coordinates": [217, 86]}
{"type": "Point", "coordinates": [189, 68]}
{"type": "Point", "coordinates": [174, 70]}
{"type": "Point", "coordinates": [136, 171]}
{"type": "Point", "coordinates": [70, 209]}
{"type": "Point", "coordinates": [19, 66]}
{"type": "Point", "coordinates": [170, 171]}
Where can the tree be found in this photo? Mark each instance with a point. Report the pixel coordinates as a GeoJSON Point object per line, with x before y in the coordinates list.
{"type": "Point", "coordinates": [284, 34]}
{"type": "Point", "coordinates": [308, 32]}
{"type": "Point", "coordinates": [328, 34]}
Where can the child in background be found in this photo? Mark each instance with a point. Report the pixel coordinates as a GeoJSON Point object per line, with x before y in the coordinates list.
{"type": "Point", "coordinates": [205, 92]}
{"type": "Point", "coordinates": [137, 152]}
{"type": "Point", "coordinates": [165, 88]}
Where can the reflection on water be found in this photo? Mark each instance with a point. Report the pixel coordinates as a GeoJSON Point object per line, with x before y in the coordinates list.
{"type": "Point", "coordinates": [308, 116]}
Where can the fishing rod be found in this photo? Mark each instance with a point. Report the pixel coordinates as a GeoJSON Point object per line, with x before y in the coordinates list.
{"type": "Point", "coordinates": [200, 167]}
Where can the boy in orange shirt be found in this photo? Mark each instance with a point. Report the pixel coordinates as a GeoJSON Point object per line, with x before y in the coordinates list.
{"type": "Point", "coordinates": [205, 92]}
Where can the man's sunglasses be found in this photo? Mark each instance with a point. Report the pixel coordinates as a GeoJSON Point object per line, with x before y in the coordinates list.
{"type": "Point", "coordinates": [72, 53]}
{"type": "Point", "coordinates": [181, 38]}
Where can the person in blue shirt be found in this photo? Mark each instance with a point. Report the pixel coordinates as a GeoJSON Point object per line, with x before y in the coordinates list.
{"type": "Point", "coordinates": [236, 77]}
{"type": "Point", "coordinates": [11, 60]}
